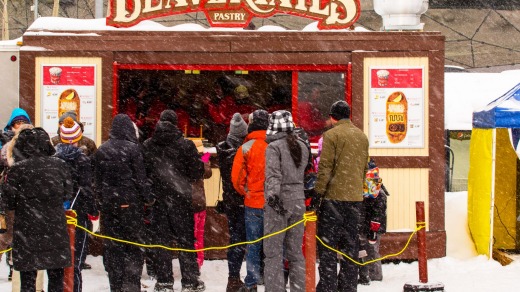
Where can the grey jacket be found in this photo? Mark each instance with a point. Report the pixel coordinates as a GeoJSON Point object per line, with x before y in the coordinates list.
{"type": "Point", "coordinates": [282, 178]}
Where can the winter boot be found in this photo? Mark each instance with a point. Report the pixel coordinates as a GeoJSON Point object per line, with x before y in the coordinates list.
{"type": "Point", "coordinates": [234, 284]}
{"type": "Point", "coordinates": [245, 289]}
{"type": "Point", "coordinates": [163, 287]}
{"type": "Point", "coordinates": [198, 286]}
{"type": "Point", "coordinates": [364, 280]}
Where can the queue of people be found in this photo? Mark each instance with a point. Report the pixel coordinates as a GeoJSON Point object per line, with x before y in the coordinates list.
{"type": "Point", "coordinates": [262, 164]}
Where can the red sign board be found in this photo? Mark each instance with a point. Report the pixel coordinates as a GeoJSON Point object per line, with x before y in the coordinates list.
{"type": "Point", "coordinates": [331, 14]}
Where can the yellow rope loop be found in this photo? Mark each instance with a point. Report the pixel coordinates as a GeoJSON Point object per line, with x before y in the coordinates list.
{"type": "Point", "coordinates": [306, 217]}
{"type": "Point", "coordinates": [72, 220]}
{"type": "Point", "coordinates": [374, 260]}
{"type": "Point", "coordinates": [4, 251]}
{"type": "Point", "coordinates": [310, 217]}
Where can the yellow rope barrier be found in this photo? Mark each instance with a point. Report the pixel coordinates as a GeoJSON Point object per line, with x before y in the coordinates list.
{"type": "Point", "coordinates": [311, 217]}
{"type": "Point", "coordinates": [374, 260]}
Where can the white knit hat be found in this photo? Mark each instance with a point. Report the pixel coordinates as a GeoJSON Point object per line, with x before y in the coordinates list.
{"type": "Point", "coordinates": [237, 126]}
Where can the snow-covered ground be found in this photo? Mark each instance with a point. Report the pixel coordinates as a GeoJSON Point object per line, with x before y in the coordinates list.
{"type": "Point", "coordinates": [462, 270]}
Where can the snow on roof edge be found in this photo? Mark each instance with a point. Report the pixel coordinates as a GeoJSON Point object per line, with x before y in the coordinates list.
{"type": "Point", "coordinates": [74, 24]}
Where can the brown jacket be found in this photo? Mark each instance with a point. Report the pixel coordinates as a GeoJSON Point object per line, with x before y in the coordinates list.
{"type": "Point", "coordinates": [343, 163]}
{"type": "Point", "coordinates": [198, 193]}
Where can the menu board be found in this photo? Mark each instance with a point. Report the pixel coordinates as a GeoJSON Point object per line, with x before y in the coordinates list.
{"type": "Point", "coordinates": [396, 107]}
{"type": "Point", "coordinates": [68, 88]}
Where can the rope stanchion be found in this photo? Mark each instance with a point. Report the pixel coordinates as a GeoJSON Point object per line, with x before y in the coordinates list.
{"type": "Point", "coordinates": [310, 251]}
{"type": "Point", "coordinates": [68, 278]}
{"type": "Point", "coordinates": [423, 284]}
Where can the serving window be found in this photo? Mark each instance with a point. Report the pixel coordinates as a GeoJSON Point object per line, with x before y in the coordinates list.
{"type": "Point", "coordinates": [206, 98]}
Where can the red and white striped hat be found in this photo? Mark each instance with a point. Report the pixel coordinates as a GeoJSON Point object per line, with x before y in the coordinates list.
{"type": "Point", "coordinates": [70, 131]}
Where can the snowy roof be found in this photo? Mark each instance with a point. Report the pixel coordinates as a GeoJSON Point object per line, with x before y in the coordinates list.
{"type": "Point", "coordinates": [99, 24]}
{"type": "Point", "coordinates": [10, 45]}
{"type": "Point", "coordinates": [465, 93]}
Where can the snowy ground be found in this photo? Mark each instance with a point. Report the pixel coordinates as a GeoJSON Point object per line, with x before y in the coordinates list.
{"type": "Point", "coordinates": [462, 270]}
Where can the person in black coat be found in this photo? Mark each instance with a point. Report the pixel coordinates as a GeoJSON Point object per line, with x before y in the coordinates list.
{"type": "Point", "coordinates": [122, 190]}
{"type": "Point", "coordinates": [232, 200]}
{"type": "Point", "coordinates": [35, 189]}
{"type": "Point", "coordinates": [172, 164]}
{"type": "Point", "coordinates": [83, 201]}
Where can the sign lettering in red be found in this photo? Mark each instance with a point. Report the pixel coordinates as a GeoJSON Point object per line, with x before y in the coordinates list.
{"type": "Point", "coordinates": [331, 14]}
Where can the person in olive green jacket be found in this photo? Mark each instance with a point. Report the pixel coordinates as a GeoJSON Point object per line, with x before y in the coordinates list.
{"type": "Point", "coordinates": [342, 170]}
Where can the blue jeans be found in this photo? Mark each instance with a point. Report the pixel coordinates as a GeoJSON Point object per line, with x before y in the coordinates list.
{"type": "Point", "coordinates": [254, 230]}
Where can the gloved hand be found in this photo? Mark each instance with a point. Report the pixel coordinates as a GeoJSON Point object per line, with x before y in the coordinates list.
{"type": "Point", "coordinates": [315, 201]}
{"type": "Point", "coordinates": [94, 219]}
{"type": "Point", "coordinates": [277, 204]}
{"type": "Point", "coordinates": [66, 205]}
{"type": "Point", "coordinates": [372, 234]}
{"type": "Point", "coordinates": [205, 157]}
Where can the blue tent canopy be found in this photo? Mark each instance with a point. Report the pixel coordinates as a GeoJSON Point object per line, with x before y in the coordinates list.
{"type": "Point", "coordinates": [503, 112]}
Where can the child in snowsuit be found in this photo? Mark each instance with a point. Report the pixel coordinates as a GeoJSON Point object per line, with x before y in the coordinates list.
{"type": "Point", "coordinates": [374, 205]}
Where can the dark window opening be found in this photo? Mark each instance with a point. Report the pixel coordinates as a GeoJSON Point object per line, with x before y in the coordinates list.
{"type": "Point", "coordinates": [205, 100]}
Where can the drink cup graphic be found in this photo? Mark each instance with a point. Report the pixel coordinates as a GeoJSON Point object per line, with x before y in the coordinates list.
{"type": "Point", "coordinates": [382, 77]}
{"type": "Point", "coordinates": [55, 75]}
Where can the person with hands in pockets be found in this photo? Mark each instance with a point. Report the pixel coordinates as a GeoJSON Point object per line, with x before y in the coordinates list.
{"type": "Point", "coordinates": [35, 189]}
{"type": "Point", "coordinates": [122, 189]}
{"type": "Point", "coordinates": [286, 158]}
{"type": "Point", "coordinates": [342, 170]}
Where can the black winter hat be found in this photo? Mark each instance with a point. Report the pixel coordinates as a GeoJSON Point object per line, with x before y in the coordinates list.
{"type": "Point", "coordinates": [260, 121]}
{"type": "Point", "coordinates": [340, 110]}
{"type": "Point", "coordinates": [169, 116]}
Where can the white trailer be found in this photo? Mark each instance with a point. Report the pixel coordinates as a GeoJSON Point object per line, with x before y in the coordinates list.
{"type": "Point", "coordinates": [9, 78]}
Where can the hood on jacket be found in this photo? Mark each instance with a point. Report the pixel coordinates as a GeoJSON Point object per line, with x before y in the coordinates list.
{"type": "Point", "coordinates": [259, 134]}
{"type": "Point", "coordinates": [274, 137]}
{"type": "Point", "coordinates": [67, 152]}
{"type": "Point", "coordinates": [34, 142]}
{"type": "Point", "coordinates": [123, 129]}
{"type": "Point", "coordinates": [165, 133]}
{"type": "Point", "coordinates": [16, 113]}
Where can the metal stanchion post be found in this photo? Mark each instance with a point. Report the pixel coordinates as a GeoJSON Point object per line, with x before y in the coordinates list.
{"type": "Point", "coordinates": [310, 253]}
{"type": "Point", "coordinates": [68, 279]}
{"type": "Point", "coordinates": [423, 284]}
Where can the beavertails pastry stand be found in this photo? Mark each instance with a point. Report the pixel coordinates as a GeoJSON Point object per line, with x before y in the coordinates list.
{"type": "Point", "coordinates": [371, 66]}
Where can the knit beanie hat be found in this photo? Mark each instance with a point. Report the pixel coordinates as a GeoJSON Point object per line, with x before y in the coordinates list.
{"type": "Point", "coordinates": [340, 110]}
{"type": "Point", "coordinates": [169, 116]}
{"type": "Point", "coordinates": [20, 118]}
{"type": "Point", "coordinates": [71, 114]}
{"type": "Point", "coordinates": [258, 121]}
{"type": "Point", "coordinates": [237, 126]}
{"type": "Point", "coordinates": [280, 121]}
{"type": "Point", "coordinates": [70, 131]}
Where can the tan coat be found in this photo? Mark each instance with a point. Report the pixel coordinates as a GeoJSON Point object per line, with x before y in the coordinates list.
{"type": "Point", "coordinates": [343, 163]}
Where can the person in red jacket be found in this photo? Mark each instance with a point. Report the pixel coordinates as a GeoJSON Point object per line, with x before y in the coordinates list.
{"type": "Point", "coordinates": [248, 176]}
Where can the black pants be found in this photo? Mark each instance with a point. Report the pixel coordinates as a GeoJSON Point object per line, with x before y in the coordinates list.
{"type": "Point", "coordinates": [237, 233]}
{"type": "Point", "coordinates": [28, 280]}
{"type": "Point", "coordinates": [338, 224]}
{"type": "Point", "coordinates": [80, 251]}
{"type": "Point", "coordinates": [123, 262]}
{"type": "Point", "coordinates": [174, 223]}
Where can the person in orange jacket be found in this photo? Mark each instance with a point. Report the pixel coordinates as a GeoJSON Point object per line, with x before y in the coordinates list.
{"type": "Point", "coordinates": [248, 176]}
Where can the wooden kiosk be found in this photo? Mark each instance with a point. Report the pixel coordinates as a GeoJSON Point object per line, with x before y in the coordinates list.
{"type": "Point", "coordinates": [363, 68]}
